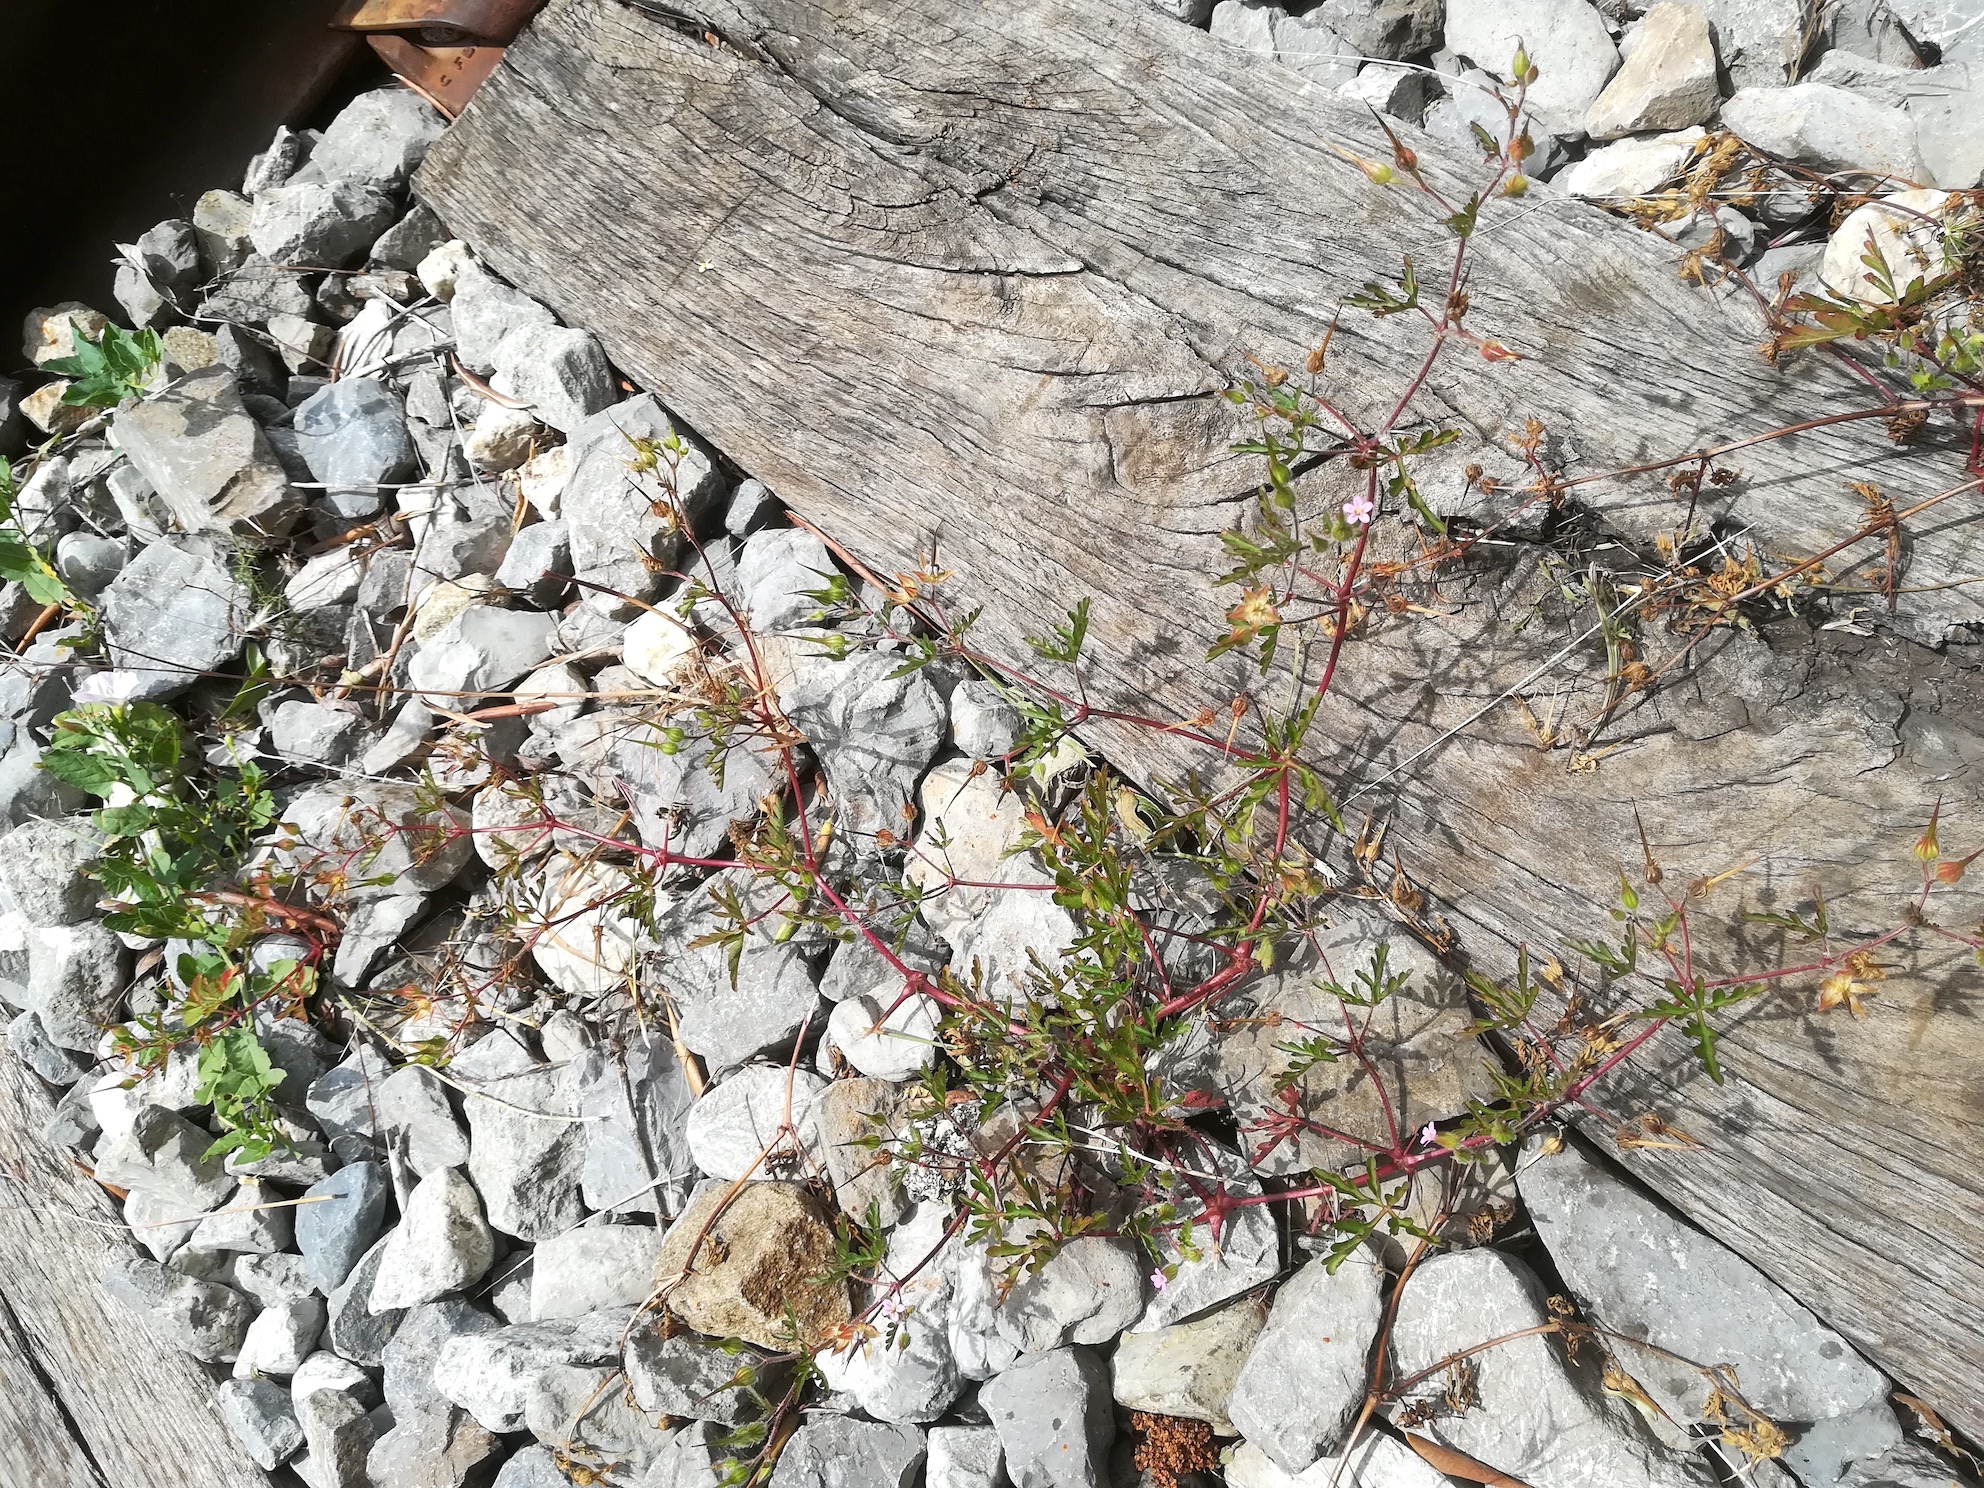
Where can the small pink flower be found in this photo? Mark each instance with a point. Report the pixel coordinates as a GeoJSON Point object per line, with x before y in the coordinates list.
{"type": "Point", "coordinates": [1359, 510]}
{"type": "Point", "coordinates": [1429, 1134]}
{"type": "Point", "coordinates": [1159, 1280]}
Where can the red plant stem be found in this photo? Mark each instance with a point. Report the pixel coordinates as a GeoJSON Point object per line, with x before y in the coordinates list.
{"type": "Point", "coordinates": [273, 908]}
{"type": "Point", "coordinates": [1713, 452]}
{"type": "Point", "coordinates": [1444, 325]}
{"type": "Point", "coordinates": [660, 857]}
{"type": "Point", "coordinates": [1371, 1070]}
{"type": "Point", "coordinates": [1399, 1387]}
{"type": "Point", "coordinates": [1240, 963]}
{"type": "Point", "coordinates": [1290, 1123]}
{"type": "Point", "coordinates": [1340, 630]}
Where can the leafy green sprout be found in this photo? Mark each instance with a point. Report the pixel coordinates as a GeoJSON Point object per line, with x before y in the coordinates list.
{"type": "Point", "coordinates": [20, 561]}
{"type": "Point", "coordinates": [1371, 986]}
{"type": "Point", "coordinates": [237, 1080]}
{"type": "Point", "coordinates": [1917, 318]}
{"type": "Point", "coordinates": [111, 369]}
{"type": "Point", "coordinates": [173, 830]}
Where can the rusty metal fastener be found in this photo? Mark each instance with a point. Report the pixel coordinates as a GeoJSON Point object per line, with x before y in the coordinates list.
{"type": "Point", "coordinates": [441, 22]}
{"type": "Point", "coordinates": [445, 76]}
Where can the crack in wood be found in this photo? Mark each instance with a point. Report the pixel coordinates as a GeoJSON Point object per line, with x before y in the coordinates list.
{"type": "Point", "coordinates": [23, 1402]}
{"type": "Point", "coordinates": [93, 1398]}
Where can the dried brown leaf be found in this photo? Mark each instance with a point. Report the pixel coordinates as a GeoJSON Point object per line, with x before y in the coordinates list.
{"type": "Point", "coordinates": [1460, 1465]}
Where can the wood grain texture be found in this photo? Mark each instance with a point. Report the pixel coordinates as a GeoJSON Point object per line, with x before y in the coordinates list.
{"type": "Point", "coordinates": [88, 1397]}
{"type": "Point", "coordinates": [974, 277]}
{"type": "Point", "coordinates": [37, 1447]}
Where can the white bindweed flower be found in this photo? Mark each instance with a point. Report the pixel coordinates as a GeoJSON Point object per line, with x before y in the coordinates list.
{"type": "Point", "coordinates": [118, 686]}
{"type": "Point", "coordinates": [120, 795]}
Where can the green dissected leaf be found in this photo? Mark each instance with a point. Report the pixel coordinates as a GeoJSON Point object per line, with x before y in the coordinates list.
{"type": "Point", "coordinates": [1692, 1005]}
{"type": "Point", "coordinates": [1704, 1037]}
{"type": "Point", "coordinates": [1507, 1006]}
{"type": "Point", "coordinates": [923, 651]}
{"type": "Point", "coordinates": [1373, 983]}
{"type": "Point", "coordinates": [1461, 223]}
{"type": "Point", "coordinates": [1315, 796]}
{"type": "Point", "coordinates": [1306, 1054]}
{"type": "Point", "coordinates": [1066, 642]}
{"type": "Point", "coordinates": [1797, 924]}
{"type": "Point", "coordinates": [1617, 961]}
{"type": "Point", "coordinates": [1381, 301]}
